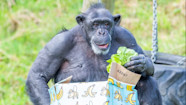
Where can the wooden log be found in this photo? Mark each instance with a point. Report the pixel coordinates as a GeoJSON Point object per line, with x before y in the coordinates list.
{"type": "Point", "coordinates": [109, 4]}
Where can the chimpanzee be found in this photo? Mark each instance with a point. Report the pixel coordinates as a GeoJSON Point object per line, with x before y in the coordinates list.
{"type": "Point", "coordinates": [82, 52]}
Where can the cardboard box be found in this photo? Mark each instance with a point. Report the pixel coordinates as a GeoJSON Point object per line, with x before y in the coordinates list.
{"type": "Point", "coordinates": [118, 90]}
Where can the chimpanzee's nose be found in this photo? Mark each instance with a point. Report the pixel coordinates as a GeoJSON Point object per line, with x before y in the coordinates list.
{"type": "Point", "coordinates": [101, 32]}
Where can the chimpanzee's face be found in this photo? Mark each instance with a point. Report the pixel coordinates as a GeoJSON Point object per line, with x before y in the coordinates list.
{"type": "Point", "coordinates": [99, 25]}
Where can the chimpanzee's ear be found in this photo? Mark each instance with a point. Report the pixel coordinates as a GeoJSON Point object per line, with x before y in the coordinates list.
{"type": "Point", "coordinates": [117, 19]}
{"type": "Point", "coordinates": [80, 18]}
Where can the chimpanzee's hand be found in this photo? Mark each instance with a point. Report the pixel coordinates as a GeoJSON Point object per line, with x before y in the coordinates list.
{"type": "Point", "coordinates": [140, 64]}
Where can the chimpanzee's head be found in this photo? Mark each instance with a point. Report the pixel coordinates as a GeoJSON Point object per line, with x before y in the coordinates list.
{"type": "Point", "coordinates": [98, 24]}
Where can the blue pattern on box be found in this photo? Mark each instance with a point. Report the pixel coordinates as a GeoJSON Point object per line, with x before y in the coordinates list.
{"type": "Point", "coordinates": [121, 93]}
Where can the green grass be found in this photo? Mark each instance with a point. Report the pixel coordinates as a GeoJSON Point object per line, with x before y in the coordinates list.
{"type": "Point", "coordinates": [26, 26]}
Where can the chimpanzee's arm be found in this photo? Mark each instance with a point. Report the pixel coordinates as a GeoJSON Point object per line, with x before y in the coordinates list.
{"type": "Point", "coordinates": [147, 88]}
{"type": "Point", "coordinates": [140, 64]}
{"type": "Point", "coordinates": [45, 66]}
{"type": "Point", "coordinates": [148, 92]}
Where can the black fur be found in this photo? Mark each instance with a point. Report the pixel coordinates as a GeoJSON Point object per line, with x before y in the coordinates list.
{"type": "Point", "coordinates": [62, 30]}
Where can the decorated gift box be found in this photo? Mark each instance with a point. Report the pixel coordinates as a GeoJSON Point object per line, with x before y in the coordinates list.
{"type": "Point", "coordinates": [118, 90]}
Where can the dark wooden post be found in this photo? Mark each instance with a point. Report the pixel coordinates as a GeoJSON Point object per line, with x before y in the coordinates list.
{"type": "Point", "coordinates": [109, 4]}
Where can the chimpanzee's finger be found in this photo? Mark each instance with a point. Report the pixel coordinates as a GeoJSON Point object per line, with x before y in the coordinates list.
{"type": "Point", "coordinates": [137, 68]}
{"type": "Point", "coordinates": [140, 56]}
{"type": "Point", "coordinates": [135, 62]}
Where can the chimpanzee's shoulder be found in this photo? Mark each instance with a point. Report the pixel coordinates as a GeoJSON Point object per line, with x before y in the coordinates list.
{"type": "Point", "coordinates": [124, 36]}
{"type": "Point", "coordinates": [66, 35]}
{"type": "Point", "coordinates": [62, 42]}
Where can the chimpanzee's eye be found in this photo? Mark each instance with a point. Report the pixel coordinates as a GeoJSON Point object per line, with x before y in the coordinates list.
{"type": "Point", "coordinates": [106, 24]}
{"type": "Point", "coordinates": [95, 24]}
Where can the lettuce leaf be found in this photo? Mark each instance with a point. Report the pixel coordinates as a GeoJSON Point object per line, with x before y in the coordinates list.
{"type": "Point", "coordinates": [122, 56]}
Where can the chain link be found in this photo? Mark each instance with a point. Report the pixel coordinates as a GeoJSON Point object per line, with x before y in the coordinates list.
{"type": "Point", "coordinates": [155, 33]}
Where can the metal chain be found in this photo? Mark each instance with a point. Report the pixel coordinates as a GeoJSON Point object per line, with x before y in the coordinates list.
{"type": "Point", "coordinates": [155, 33]}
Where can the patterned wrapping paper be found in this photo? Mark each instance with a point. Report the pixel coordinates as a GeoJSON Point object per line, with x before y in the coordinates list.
{"type": "Point", "coordinates": [90, 93]}
{"type": "Point", "coordinates": [52, 92]}
{"type": "Point", "coordinates": [121, 93]}
{"type": "Point", "coordinates": [111, 92]}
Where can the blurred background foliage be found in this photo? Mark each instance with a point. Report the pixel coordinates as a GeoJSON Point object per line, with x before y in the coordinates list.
{"type": "Point", "coordinates": [27, 25]}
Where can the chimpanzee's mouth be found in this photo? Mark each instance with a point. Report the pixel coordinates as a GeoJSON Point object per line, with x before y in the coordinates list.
{"type": "Point", "coordinates": [103, 46]}
{"type": "Point", "coordinates": [100, 48]}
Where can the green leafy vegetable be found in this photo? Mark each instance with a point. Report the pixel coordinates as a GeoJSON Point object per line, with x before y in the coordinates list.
{"type": "Point", "coordinates": [123, 56]}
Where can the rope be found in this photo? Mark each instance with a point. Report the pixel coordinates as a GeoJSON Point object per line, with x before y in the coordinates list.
{"type": "Point", "coordinates": [155, 33]}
